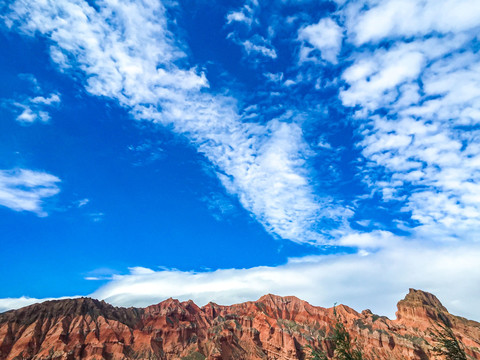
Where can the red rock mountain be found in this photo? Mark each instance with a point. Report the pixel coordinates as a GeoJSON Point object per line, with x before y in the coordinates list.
{"type": "Point", "coordinates": [272, 327]}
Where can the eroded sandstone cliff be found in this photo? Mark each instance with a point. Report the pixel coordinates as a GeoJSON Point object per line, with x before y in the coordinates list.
{"type": "Point", "coordinates": [272, 327]}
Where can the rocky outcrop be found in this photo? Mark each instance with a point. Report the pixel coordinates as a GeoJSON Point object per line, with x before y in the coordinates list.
{"type": "Point", "coordinates": [272, 327]}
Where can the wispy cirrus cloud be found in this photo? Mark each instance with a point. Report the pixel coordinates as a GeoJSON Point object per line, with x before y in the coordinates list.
{"type": "Point", "coordinates": [34, 108]}
{"type": "Point", "coordinates": [146, 153]}
{"type": "Point", "coordinates": [25, 190]}
{"type": "Point", "coordinates": [409, 83]}
{"type": "Point", "coordinates": [219, 205]}
{"type": "Point", "coordinates": [246, 14]}
{"type": "Point", "coordinates": [126, 53]}
{"type": "Point", "coordinates": [257, 47]}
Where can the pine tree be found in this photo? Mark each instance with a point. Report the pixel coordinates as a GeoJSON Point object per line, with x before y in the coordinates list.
{"type": "Point", "coordinates": [447, 344]}
{"type": "Point", "coordinates": [316, 354]}
{"type": "Point", "coordinates": [345, 348]}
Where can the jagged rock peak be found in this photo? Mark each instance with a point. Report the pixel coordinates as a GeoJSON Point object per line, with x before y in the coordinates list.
{"type": "Point", "coordinates": [419, 298]}
{"type": "Point", "coordinates": [273, 327]}
{"type": "Point", "coordinates": [283, 300]}
{"type": "Point", "coordinates": [421, 306]}
{"type": "Point", "coordinates": [82, 306]}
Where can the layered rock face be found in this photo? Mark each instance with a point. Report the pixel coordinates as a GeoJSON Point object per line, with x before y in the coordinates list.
{"type": "Point", "coordinates": [271, 328]}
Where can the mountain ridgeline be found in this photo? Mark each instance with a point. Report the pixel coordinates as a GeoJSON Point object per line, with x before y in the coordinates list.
{"type": "Point", "coordinates": [272, 327]}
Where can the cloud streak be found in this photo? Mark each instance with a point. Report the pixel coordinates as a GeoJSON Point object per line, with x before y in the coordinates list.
{"type": "Point", "coordinates": [371, 279]}
{"type": "Point", "coordinates": [25, 190]}
{"type": "Point", "coordinates": [36, 108]}
{"type": "Point", "coordinates": [126, 53]}
{"type": "Point", "coordinates": [376, 278]}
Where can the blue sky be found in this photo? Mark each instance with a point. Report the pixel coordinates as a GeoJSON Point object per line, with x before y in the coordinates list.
{"type": "Point", "coordinates": [221, 151]}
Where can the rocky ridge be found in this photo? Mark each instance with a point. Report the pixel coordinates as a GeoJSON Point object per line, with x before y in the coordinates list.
{"type": "Point", "coordinates": [272, 327]}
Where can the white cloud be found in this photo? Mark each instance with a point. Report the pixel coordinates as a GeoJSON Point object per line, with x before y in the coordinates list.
{"type": "Point", "coordinates": [422, 151]}
{"type": "Point", "coordinates": [375, 280]}
{"type": "Point", "coordinates": [252, 48]}
{"type": "Point", "coordinates": [244, 14]}
{"type": "Point", "coordinates": [16, 303]}
{"type": "Point", "coordinates": [374, 78]}
{"type": "Point", "coordinates": [238, 17]}
{"type": "Point", "coordinates": [25, 190]}
{"type": "Point", "coordinates": [82, 202]}
{"type": "Point", "coordinates": [127, 53]}
{"type": "Point", "coordinates": [219, 205]}
{"type": "Point", "coordinates": [52, 99]}
{"type": "Point", "coordinates": [30, 116]}
{"type": "Point", "coordinates": [283, 199]}
{"type": "Point", "coordinates": [417, 108]}
{"type": "Point", "coordinates": [34, 108]}
{"type": "Point", "coordinates": [275, 78]}
{"type": "Point", "coordinates": [96, 216]}
{"type": "Point", "coordinates": [409, 78]}
{"type": "Point", "coordinates": [394, 18]}
{"type": "Point", "coordinates": [325, 36]}
{"type": "Point", "coordinates": [257, 45]}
